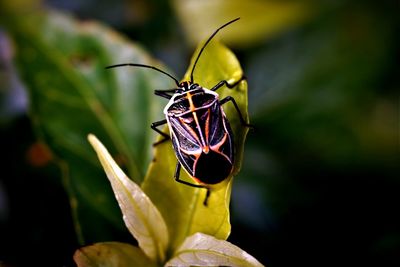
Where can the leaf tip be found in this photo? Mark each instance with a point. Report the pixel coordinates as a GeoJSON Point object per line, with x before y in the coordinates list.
{"type": "Point", "coordinates": [91, 138]}
{"type": "Point", "coordinates": [95, 142]}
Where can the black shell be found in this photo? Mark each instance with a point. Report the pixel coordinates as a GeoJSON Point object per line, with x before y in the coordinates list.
{"type": "Point", "coordinates": [201, 135]}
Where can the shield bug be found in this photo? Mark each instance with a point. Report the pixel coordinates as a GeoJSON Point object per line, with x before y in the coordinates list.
{"type": "Point", "coordinates": [199, 129]}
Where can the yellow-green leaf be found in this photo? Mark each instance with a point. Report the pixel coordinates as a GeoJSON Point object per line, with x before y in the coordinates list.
{"type": "Point", "coordinates": [260, 19]}
{"type": "Point", "coordinates": [204, 250]}
{"type": "Point", "coordinates": [111, 254]}
{"type": "Point", "coordinates": [181, 205]}
{"type": "Point", "coordinates": [140, 215]}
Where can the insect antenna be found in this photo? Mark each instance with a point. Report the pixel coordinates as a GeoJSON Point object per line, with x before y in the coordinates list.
{"type": "Point", "coordinates": [144, 66]}
{"type": "Point", "coordinates": [206, 43]}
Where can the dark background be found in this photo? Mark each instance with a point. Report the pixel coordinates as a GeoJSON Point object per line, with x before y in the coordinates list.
{"type": "Point", "coordinates": [319, 184]}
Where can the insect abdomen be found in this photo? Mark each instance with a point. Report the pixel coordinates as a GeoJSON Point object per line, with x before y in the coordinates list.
{"type": "Point", "coordinates": [212, 168]}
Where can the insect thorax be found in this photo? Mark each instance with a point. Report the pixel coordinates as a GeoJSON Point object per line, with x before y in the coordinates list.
{"type": "Point", "coordinates": [190, 101]}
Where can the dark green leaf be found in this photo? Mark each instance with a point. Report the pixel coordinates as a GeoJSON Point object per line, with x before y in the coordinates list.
{"type": "Point", "coordinates": [62, 62]}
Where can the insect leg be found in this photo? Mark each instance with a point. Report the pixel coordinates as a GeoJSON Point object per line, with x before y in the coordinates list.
{"type": "Point", "coordinates": [205, 202]}
{"type": "Point", "coordinates": [154, 126]}
{"type": "Point", "coordinates": [165, 93]}
{"type": "Point", "coordinates": [176, 176]}
{"type": "Point", "coordinates": [229, 98]}
{"type": "Point", "coordinates": [224, 82]}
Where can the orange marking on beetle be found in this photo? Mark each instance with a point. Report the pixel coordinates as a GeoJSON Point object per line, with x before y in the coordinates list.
{"type": "Point", "coordinates": [206, 148]}
{"type": "Point", "coordinates": [192, 108]}
{"type": "Point", "coordinates": [217, 146]}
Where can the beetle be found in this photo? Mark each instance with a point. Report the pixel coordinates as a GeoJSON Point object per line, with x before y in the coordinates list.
{"type": "Point", "coordinates": [201, 135]}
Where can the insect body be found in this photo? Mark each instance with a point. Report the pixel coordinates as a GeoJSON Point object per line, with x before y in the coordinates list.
{"type": "Point", "coordinates": [199, 129]}
{"type": "Point", "coordinates": [201, 134]}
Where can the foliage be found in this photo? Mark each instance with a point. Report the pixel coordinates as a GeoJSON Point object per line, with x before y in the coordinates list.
{"type": "Point", "coordinates": [319, 172]}
{"type": "Point", "coordinates": [146, 224]}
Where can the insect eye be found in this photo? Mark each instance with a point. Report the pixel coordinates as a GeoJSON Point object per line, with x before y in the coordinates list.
{"type": "Point", "coordinates": [193, 86]}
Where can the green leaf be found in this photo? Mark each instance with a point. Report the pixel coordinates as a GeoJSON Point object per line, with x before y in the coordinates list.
{"type": "Point", "coordinates": [111, 254]}
{"type": "Point", "coordinates": [182, 206]}
{"type": "Point", "coordinates": [62, 62]}
{"type": "Point", "coordinates": [204, 250]}
{"type": "Point", "coordinates": [141, 217]}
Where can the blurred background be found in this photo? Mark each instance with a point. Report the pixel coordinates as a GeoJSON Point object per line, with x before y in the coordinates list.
{"type": "Point", "coordinates": [320, 180]}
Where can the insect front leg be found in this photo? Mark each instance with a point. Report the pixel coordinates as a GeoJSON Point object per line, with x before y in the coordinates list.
{"type": "Point", "coordinates": [229, 98]}
{"type": "Point", "coordinates": [177, 175]}
{"type": "Point", "coordinates": [224, 82]}
{"type": "Point", "coordinates": [154, 126]}
{"type": "Point", "coordinates": [165, 93]}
